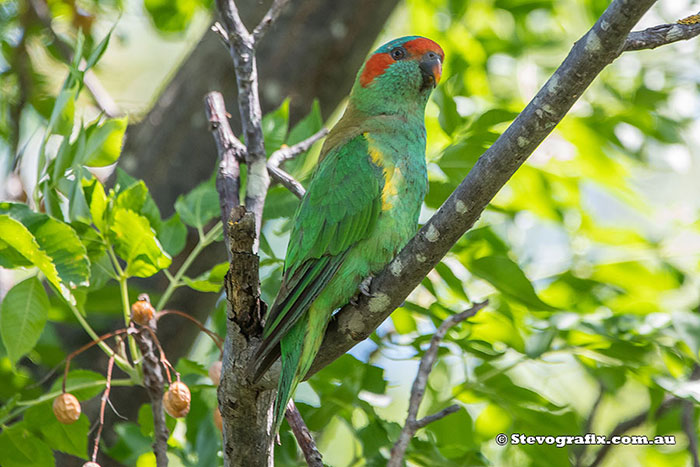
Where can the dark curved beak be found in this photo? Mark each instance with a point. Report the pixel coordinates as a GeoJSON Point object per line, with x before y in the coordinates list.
{"type": "Point", "coordinates": [431, 68]}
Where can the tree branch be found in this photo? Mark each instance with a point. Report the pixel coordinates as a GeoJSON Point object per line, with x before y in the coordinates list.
{"type": "Point", "coordinates": [688, 423]}
{"type": "Point", "coordinates": [418, 389]}
{"type": "Point", "coordinates": [242, 50]}
{"type": "Point", "coordinates": [290, 152]}
{"type": "Point", "coordinates": [153, 382]}
{"type": "Point", "coordinates": [231, 152]}
{"type": "Point", "coordinates": [663, 34]}
{"type": "Point", "coordinates": [596, 49]}
{"type": "Point", "coordinates": [269, 18]}
{"type": "Point", "coordinates": [303, 436]}
{"type": "Point", "coordinates": [633, 422]}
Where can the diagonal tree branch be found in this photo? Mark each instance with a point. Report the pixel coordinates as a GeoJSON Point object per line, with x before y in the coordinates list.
{"type": "Point", "coordinates": [601, 45]}
{"type": "Point", "coordinates": [418, 390]}
{"type": "Point", "coordinates": [290, 152]}
{"type": "Point", "coordinates": [303, 436]}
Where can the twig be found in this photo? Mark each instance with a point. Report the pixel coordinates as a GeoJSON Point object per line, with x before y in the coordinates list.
{"type": "Point", "coordinates": [214, 336]}
{"type": "Point", "coordinates": [290, 152]}
{"type": "Point", "coordinates": [269, 18]}
{"type": "Point", "coordinates": [418, 389]}
{"type": "Point", "coordinates": [231, 152]}
{"type": "Point", "coordinates": [287, 181]}
{"type": "Point", "coordinates": [153, 382]}
{"type": "Point", "coordinates": [105, 398]}
{"type": "Point", "coordinates": [633, 422]}
{"type": "Point", "coordinates": [588, 424]}
{"type": "Point", "coordinates": [303, 436]}
{"type": "Point", "coordinates": [663, 34]}
{"type": "Point", "coordinates": [82, 349]}
{"type": "Point", "coordinates": [242, 51]}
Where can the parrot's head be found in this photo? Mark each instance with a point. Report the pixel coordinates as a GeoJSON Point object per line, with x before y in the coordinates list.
{"type": "Point", "coordinates": [399, 76]}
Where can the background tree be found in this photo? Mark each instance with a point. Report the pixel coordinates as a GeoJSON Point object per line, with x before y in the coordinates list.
{"type": "Point", "coordinates": [589, 266]}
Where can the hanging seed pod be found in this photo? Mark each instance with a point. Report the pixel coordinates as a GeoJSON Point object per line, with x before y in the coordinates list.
{"type": "Point", "coordinates": [177, 400]}
{"type": "Point", "coordinates": [142, 311]}
{"type": "Point", "coordinates": [66, 408]}
{"type": "Point", "coordinates": [215, 372]}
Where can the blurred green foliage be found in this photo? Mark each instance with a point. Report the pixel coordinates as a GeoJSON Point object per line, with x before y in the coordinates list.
{"type": "Point", "coordinates": [589, 256]}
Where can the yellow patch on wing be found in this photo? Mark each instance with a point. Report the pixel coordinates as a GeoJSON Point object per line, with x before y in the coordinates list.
{"type": "Point", "coordinates": [392, 174]}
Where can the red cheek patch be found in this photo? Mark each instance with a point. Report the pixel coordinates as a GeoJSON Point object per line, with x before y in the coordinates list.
{"type": "Point", "coordinates": [374, 67]}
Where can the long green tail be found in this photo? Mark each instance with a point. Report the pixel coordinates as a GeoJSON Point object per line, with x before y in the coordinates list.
{"type": "Point", "coordinates": [292, 346]}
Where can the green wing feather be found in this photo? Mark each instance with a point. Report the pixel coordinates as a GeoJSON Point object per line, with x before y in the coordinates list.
{"type": "Point", "coordinates": [340, 208]}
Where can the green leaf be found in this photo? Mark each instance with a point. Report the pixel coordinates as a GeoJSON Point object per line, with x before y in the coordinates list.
{"type": "Point", "coordinates": [274, 126]}
{"type": "Point", "coordinates": [307, 126]}
{"type": "Point", "coordinates": [61, 120]}
{"type": "Point", "coordinates": [145, 421]}
{"type": "Point", "coordinates": [508, 278]}
{"type": "Point", "coordinates": [71, 439]}
{"type": "Point", "coordinates": [70, 266]}
{"type": "Point", "coordinates": [22, 317]}
{"type": "Point", "coordinates": [210, 281]}
{"type": "Point", "coordinates": [20, 448]}
{"type": "Point", "coordinates": [173, 235]}
{"type": "Point", "coordinates": [136, 243]}
{"type": "Point", "coordinates": [104, 142]}
{"type": "Point", "coordinates": [18, 248]}
{"type": "Point", "coordinates": [98, 51]}
{"type": "Point", "coordinates": [78, 209]}
{"type": "Point", "coordinates": [96, 199]}
{"type": "Point", "coordinates": [687, 326]}
{"type": "Point", "coordinates": [199, 206]}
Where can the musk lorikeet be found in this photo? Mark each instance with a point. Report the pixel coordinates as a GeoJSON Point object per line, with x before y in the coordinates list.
{"type": "Point", "coordinates": [361, 207]}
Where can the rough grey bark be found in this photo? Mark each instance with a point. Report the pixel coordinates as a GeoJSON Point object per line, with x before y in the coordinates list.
{"type": "Point", "coordinates": [246, 411]}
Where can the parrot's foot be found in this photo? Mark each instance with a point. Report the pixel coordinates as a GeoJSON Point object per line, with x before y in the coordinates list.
{"type": "Point", "coordinates": [364, 286]}
{"type": "Point", "coordinates": [363, 289]}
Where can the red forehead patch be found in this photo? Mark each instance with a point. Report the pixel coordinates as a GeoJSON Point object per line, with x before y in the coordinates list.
{"type": "Point", "coordinates": [374, 67]}
{"type": "Point", "coordinates": [420, 46]}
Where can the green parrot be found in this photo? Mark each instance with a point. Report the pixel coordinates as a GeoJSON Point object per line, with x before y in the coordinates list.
{"type": "Point", "coordinates": [361, 207]}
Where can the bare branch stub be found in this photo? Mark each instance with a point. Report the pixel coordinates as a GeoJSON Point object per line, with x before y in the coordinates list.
{"type": "Point", "coordinates": [663, 34]}
{"type": "Point", "coordinates": [418, 389]}
{"type": "Point", "coordinates": [303, 436]}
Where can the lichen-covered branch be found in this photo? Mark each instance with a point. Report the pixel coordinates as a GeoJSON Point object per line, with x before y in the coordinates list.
{"type": "Point", "coordinates": [418, 389]}
{"type": "Point", "coordinates": [663, 34]}
{"type": "Point", "coordinates": [601, 45]}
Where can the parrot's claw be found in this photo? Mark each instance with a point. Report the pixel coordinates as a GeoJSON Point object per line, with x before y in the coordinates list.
{"type": "Point", "coordinates": [364, 286]}
{"type": "Point", "coordinates": [362, 289]}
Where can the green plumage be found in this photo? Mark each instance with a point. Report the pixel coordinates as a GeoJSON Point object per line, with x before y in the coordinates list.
{"type": "Point", "coordinates": [360, 209]}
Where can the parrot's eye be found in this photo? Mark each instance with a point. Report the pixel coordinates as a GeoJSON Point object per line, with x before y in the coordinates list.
{"type": "Point", "coordinates": [398, 53]}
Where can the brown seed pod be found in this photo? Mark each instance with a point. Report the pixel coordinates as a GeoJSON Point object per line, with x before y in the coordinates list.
{"type": "Point", "coordinates": [177, 400]}
{"type": "Point", "coordinates": [142, 312]}
{"type": "Point", "coordinates": [215, 372]}
{"type": "Point", "coordinates": [66, 408]}
{"type": "Point", "coordinates": [217, 419]}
